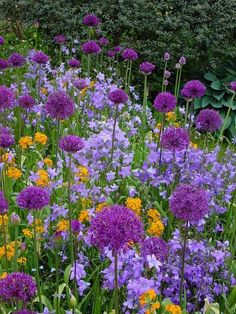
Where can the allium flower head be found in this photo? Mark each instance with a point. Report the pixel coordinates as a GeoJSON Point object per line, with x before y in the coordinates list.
{"type": "Point", "coordinates": [130, 54]}
{"type": "Point", "coordinates": [208, 120]}
{"type": "Point", "coordinates": [193, 89]}
{"type": "Point", "coordinates": [103, 41]}
{"type": "Point", "coordinates": [60, 39]}
{"type": "Point", "coordinates": [40, 57]}
{"type": "Point", "coordinates": [3, 64]}
{"type": "Point", "coordinates": [81, 83]}
{"type": "Point", "coordinates": [17, 287]}
{"type": "Point", "coordinates": [233, 86]}
{"type": "Point", "coordinates": [91, 47]}
{"type": "Point", "coordinates": [114, 227]}
{"type": "Point", "coordinates": [118, 96]}
{"type": "Point", "coordinates": [74, 63]}
{"type": "Point", "coordinates": [146, 68]}
{"type": "Point", "coordinates": [2, 41]}
{"type": "Point", "coordinates": [166, 56]}
{"type": "Point", "coordinates": [111, 54]}
{"type": "Point", "coordinates": [24, 311]}
{"type": "Point", "coordinates": [16, 60]}
{"type": "Point", "coordinates": [60, 106]}
{"type": "Point", "coordinates": [165, 102]}
{"type": "Point", "coordinates": [182, 60]}
{"type": "Point", "coordinates": [6, 139]}
{"type": "Point", "coordinates": [6, 98]}
{"type": "Point", "coordinates": [26, 101]}
{"type": "Point", "coordinates": [175, 139]}
{"type": "Point", "coordinates": [3, 204]}
{"type": "Point", "coordinates": [189, 202]}
{"type": "Point", "coordinates": [71, 143]}
{"type": "Point", "coordinates": [33, 197]}
{"type": "Point", "coordinates": [91, 20]}
{"type": "Point", "coordinates": [154, 246]}
{"type": "Point", "coordinates": [75, 226]}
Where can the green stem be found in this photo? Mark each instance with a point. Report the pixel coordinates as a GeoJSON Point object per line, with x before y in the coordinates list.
{"type": "Point", "coordinates": [113, 134]}
{"type": "Point", "coordinates": [178, 85]}
{"type": "Point", "coordinates": [176, 81]}
{"type": "Point", "coordinates": [183, 265]}
{"type": "Point", "coordinates": [163, 79]}
{"type": "Point", "coordinates": [70, 213]}
{"type": "Point", "coordinates": [89, 64]}
{"type": "Point", "coordinates": [116, 285]}
{"type": "Point", "coordinates": [129, 77]}
{"type": "Point", "coordinates": [126, 75]}
{"type": "Point", "coordinates": [5, 241]}
{"type": "Point", "coordinates": [186, 113]}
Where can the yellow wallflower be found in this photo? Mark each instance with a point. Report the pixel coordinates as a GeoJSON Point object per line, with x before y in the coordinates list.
{"type": "Point", "coordinates": [82, 173]}
{"type": "Point", "coordinates": [173, 309]}
{"type": "Point", "coordinates": [43, 178]}
{"type": "Point", "coordinates": [193, 145]}
{"type": "Point", "coordinates": [8, 158]}
{"type": "Point", "coordinates": [40, 138]}
{"type": "Point", "coordinates": [3, 275]}
{"type": "Point", "coordinates": [147, 296]}
{"type": "Point", "coordinates": [100, 207]}
{"type": "Point", "coordinates": [156, 228]}
{"type": "Point", "coordinates": [14, 173]}
{"type": "Point", "coordinates": [158, 126]}
{"type": "Point", "coordinates": [84, 216]}
{"type": "Point", "coordinates": [153, 213]}
{"type": "Point", "coordinates": [171, 116]}
{"type": "Point", "coordinates": [135, 204]}
{"type": "Point", "coordinates": [44, 90]}
{"type": "Point", "coordinates": [27, 233]}
{"type": "Point", "coordinates": [62, 225]}
{"type": "Point", "coordinates": [22, 260]}
{"type": "Point", "coordinates": [83, 91]}
{"type": "Point", "coordinates": [92, 83]}
{"type": "Point", "coordinates": [3, 219]}
{"type": "Point", "coordinates": [25, 142]}
{"type": "Point", "coordinates": [10, 250]}
{"type": "Point", "coordinates": [177, 124]}
{"type": "Point", "coordinates": [48, 162]}
{"type": "Point", "coordinates": [86, 202]}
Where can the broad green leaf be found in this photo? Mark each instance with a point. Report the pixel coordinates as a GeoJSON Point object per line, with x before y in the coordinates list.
{"type": "Point", "coordinates": [218, 95]}
{"type": "Point", "coordinates": [45, 302]}
{"type": "Point", "coordinates": [210, 76]}
{"type": "Point", "coordinates": [217, 85]}
{"type": "Point", "coordinates": [206, 101]}
{"type": "Point", "coordinates": [67, 274]}
{"type": "Point", "coordinates": [232, 297]}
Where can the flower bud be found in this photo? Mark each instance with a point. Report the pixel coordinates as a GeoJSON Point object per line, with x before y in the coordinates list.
{"type": "Point", "coordinates": [15, 219]}
{"type": "Point", "coordinates": [73, 301]}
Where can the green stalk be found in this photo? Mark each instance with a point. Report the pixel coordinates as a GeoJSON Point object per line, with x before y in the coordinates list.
{"type": "Point", "coordinates": [5, 241]}
{"type": "Point", "coordinates": [113, 134]}
{"type": "Point", "coordinates": [129, 77]}
{"type": "Point", "coordinates": [89, 64]}
{"type": "Point", "coordinates": [70, 213]}
{"type": "Point", "coordinates": [178, 85]}
{"type": "Point", "coordinates": [186, 113]}
{"type": "Point", "coordinates": [116, 285]}
{"type": "Point", "coordinates": [176, 81]}
{"type": "Point", "coordinates": [144, 103]}
{"type": "Point", "coordinates": [183, 265]}
{"type": "Point", "coordinates": [163, 79]}
{"type": "Point", "coordinates": [126, 75]}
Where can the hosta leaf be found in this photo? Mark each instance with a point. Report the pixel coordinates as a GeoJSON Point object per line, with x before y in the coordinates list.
{"type": "Point", "coordinates": [206, 101]}
{"type": "Point", "coordinates": [210, 76]}
{"type": "Point", "coordinates": [217, 85]}
{"type": "Point", "coordinates": [198, 103]}
{"type": "Point", "coordinates": [219, 96]}
{"type": "Point", "coordinates": [45, 302]}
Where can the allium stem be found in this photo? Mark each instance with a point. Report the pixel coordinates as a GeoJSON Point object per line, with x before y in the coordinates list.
{"type": "Point", "coordinates": [176, 81]}
{"type": "Point", "coordinates": [5, 241]}
{"type": "Point", "coordinates": [163, 79]}
{"type": "Point", "coordinates": [186, 113]}
{"type": "Point", "coordinates": [89, 65]}
{"type": "Point", "coordinates": [116, 284]}
{"type": "Point", "coordinates": [70, 214]}
{"type": "Point", "coordinates": [183, 265]}
{"type": "Point", "coordinates": [126, 76]}
{"type": "Point", "coordinates": [57, 141]}
{"type": "Point", "coordinates": [129, 77]}
{"type": "Point", "coordinates": [159, 139]}
{"type": "Point", "coordinates": [144, 103]}
{"type": "Point", "coordinates": [113, 134]}
{"type": "Point", "coordinates": [36, 265]}
{"type": "Point", "coordinates": [178, 84]}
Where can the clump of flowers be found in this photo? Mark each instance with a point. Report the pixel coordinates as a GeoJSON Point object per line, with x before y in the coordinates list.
{"type": "Point", "coordinates": [91, 20]}
{"type": "Point", "coordinates": [155, 225]}
{"type": "Point", "coordinates": [6, 139]}
{"type": "Point", "coordinates": [25, 142]}
{"type": "Point", "coordinates": [71, 143]}
{"type": "Point", "coordinates": [40, 57]}
{"type": "Point", "coordinates": [130, 54]}
{"type": "Point", "coordinates": [16, 60]}
{"type": "Point", "coordinates": [60, 106]}
{"type": "Point", "coordinates": [135, 204]}
{"type": "Point", "coordinates": [193, 89]}
{"type": "Point", "coordinates": [14, 173]}
{"type": "Point", "coordinates": [175, 139]}
{"type": "Point", "coordinates": [40, 138]}
{"type": "Point", "coordinates": [208, 120]}
{"type": "Point", "coordinates": [33, 197]}
{"type": "Point", "coordinates": [91, 47]}
{"type": "Point", "coordinates": [6, 98]}
{"type": "Point", "coordinates": [165, 102]}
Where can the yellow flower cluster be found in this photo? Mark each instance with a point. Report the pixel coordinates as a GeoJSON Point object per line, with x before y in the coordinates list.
{"type": "Point", "coordinates": [11, 171]}
{"type": "Point", "coordinates": [43, 178]}
{"type": "Point", "coordinates": [171, 116]}
{"type": "Point", "coordinates": [193, 145]}
{"type": "Point", "coordinates": [86, 202]}
{"type": "Point", "coordinates": [25, 142]}
{"type": "Point", "coordinates": [62, 225]}
{"type": "Point", "coordinates": [84, 90]}
{"type": "Point", "coordinates": [155, 225]}
{"type": "Point", "coordinates": [14, 173]}
{"type": "Point", "coordinates": [40, 138]}
{"type": "Point", "coordinates": [44, 90]}
{"type": "Point", "coordinates": [3, 275]}
{"type": "Point", "coordinates": [3, 220]}
{"type": "Point", "coordinates": [21, 260]}
{"type": "Point", "coordinates": [10, 250]}
{"type": "Point", "coordinates": [27, 233]}
{"type": "Point", "coordinates": [173, 309]}
{"type": "Point", "coordinates": [84, 216]}
{"type": "Point", "coordinates": [135, 204]}
{"type": "Point", "coordinates": [48, 162]}
{"type": "Point", "coordinates": [149, 299]}
{"type": "Point", "coordinates": [39, 229]}
{"type": "Point", "coordinates": [8, 158]}
{"type": "Point", "coordinates": [83, 173]}
{"type": "Point", "coordinates": [100, 207]}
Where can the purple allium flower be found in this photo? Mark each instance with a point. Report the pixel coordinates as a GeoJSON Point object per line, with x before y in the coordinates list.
{"type": "Point", "coordinates": [233, 86]}
{"type": "Point", "coordinates": [26, 101]}
{"type": "Point", "coordinates": [130, 54]}
{"type": "Point", "coordinates": [103, 41]}
{"type": "Point", "coordinates": [3, 64]}
{"type": "Point", "coordinates": [91, 20]}
{"type": "Point", "coordinates": [74, 63]}
{"type": "Point", "coordinates": [60, 106]}
{"type": "Point", "coordinates": [167, 74]}
{"type": "Point", "coordinates": [71, 143]}
{"type": "Point", "coordinates": [118, 96]}
{"type": "Point", "coordinates": [80, 83]}
{"type": "Point", "coordinates": [16, 60]}
{"type": "Point", "coordinates": [3, 204]}
{"type": "Point", "coordinates": [208, 120]}
{"type": "Point", "coordinates": [2, 41]}
{"type": "Point", "coordinates": [182, 60]}
{"type": "Point", "coordinates": [117, 49]}
{"type": "Point", "coordinates": [166, 56]}
{"type": "Point", "coordinates": [33, 197]}
{"type": "Point", "coordinates": [24, 311]}
{"type": "Point", "coordinates": [6, 98]}
{"type": "Point", "coordinates": [75, 226]}
{"type": "Point", "coordinates": [91, 47]}
{"type": "Point", "coordinates": [154, 246]}
{"type": "Point", "coordinates": [147, 68]}
{"type": "Point", "coordinates": [17, 287]}
{"type": "Point", "coordinates": [189, 202]}
{"type": "Point", "coordinates": [193, 89]}
{"type": "Point", "coordinates": [40, 57]}
{"type": "Point", "coordinates": [175, 139]}
{"type": "Point", "coordinates": [165, 102]}
{"type": "Point", "coordinates": [178, 66]}
{"type": "Point", "coordinates": [111, 54]}
{"type": "Point", "coordinates": [6, 139]}
{"type": "Point", "coordinates": [60, 39]}
{"type": "Point", "coordinates": [114, 227]}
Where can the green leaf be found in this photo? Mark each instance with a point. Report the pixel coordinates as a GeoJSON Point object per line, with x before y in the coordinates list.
{"type": "Point", "coordinates": [219, 96]}
{"type": "Point", "coordinates": [217, 85]}
{"type": "Point", "coordinates": [217, 105]}
{"type": "Point", "coordinates": [45, 302]}
{"type": "Point", "coordinates": [206, 101]}
{"type": "Point", "coordinates": [210, 76]}
{"type": "Point", "coordinates": [197, 103]}
{"type": "Point", "coordinates": [67, 274]}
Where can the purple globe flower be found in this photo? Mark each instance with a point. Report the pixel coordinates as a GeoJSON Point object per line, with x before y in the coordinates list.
{"type": "Point", "coordinates": [166, 56]}
{"type": "Point", "coordinates": [130, 54]}
{"type": "Point", "coordinates": [146, 68]}
{"type": "Point", "coordinates": [118, 96]}
{"type": "Point", "coordinates": [165, 102]}
{"type": "Point", "coordinates": [26, 101]}
{"type": "Point", "coordinates": [111, 54]}
{"type": "Point", "coordinates": [74, 63]}
{"type": "Point", "coordinates": [114, 227]}
{"type": "Point", "coordinates": [189, 203]}
{"type": "Point", "coordinates": [193, 89]}
{"type": "Point", "coordinates": [33, 198]}
{"type": "Point", "coordinates": [16, 60]}
{"type": "Point", "coordinates": [2, 41]}
{"type": "Point", "coordinates": [24, 311]}
{"type": "Point", "coordinates": [60, 106]}
{"type": "Point", "coordinates": [60, 39]}
{"type": "Point", "coordinates": [6, 98]}
{"type": "Point", "coordinates": [3, 204]}
{"type": "Point", "coordinates": [103, 41]}
{"type": "Point", "coordinates": [40, 57]}
{"type": "Point", "coordinates": [71, 143]}
{"type": "Point", "coordinates": [3, 64]}
{"type": "Point", "coordinates": [175, 139]}
{"type": "Point", "coordinates": [208, 120]}
{"type": "Point", "coordinates": [17, 287]}
{"type": "Point", "coordinates": [233, 86]}
{"type": "Point", "coordinates": [75, 226]}
{"type": "Point", "coordinates": [117, 49]}
{"type": "Point", "coordinates": [154, 246]}
{"type": "Point", "coordinates": [91, 20]}
{"type": "Point", "coordinates": [167, 74]}
{"type": "Point", "coordinates": [182, 60]}
{"type": "Point", "coordinates": [91, 47]}
{"type": "Point", "coordinates": [6, 139]}
{"type": "Point", "coordinates": [81, 83]}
